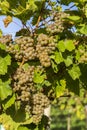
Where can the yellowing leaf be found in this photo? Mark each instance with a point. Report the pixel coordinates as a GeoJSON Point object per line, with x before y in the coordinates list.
{"type": "Point", "coordinates": [7, 21]}
{"type": "Point", "coordinates": [62, 106]}
{"type": "Point", "coordinates": [4, 6]}
{"type": "Point", "coordinates": [60, 88]}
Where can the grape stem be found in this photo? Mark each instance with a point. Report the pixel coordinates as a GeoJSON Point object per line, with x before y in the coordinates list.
{"type": "Point", "coordinates": [39, 18]}
{"type": "Point", "coordinates": [22, 62]}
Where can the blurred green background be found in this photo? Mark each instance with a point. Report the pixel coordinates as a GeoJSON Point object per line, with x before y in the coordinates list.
{"type": "Point", "coordinates": [63, 119]}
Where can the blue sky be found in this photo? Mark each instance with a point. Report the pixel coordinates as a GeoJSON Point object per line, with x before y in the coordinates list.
{"type": "Point", "coordinates": [12, 28]}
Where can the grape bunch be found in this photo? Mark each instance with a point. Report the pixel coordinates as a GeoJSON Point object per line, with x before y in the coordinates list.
{"type": "Point", "coordinates": [23, 83]}
{"type": "Point", "coordinates": [23, 48]}
{"type": "Point", "coordinates": [83, 58]}
{"type": "Point", "coordinates": [26, 48]}
{"type": "Point", "coordinates": [34, 101]}
{"type": "Point", "coordinates": [39, 103]}
{"type": "Point", "coordinates": [45, 46]}
{"type": "Point", "coordinates": [57, 26]}
{"type": "Point", "coordinates": [6, 39]}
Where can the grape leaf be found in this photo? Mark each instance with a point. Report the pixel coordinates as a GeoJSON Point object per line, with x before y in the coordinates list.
{"type": "Point", "coordinates": [8, 59]}
{"type": "Point", "coordinates": [73, 18]}
{"type": "Point", "coordinates": [5, 90]}
{"type": "Point", "coordinates": [4, 62]}
{"type": "Point", "coordinates": [46, 83]}
{"type": "Point", "coordinates": [65, 45]}
{"type": "Point", "coordinates": [74, 72]}
{"type": "Point", "coordinates": [78, 55]}
{"type": "Point", "coordinates": [2, 46]}
{"type": "Point", "coordinates": [22, 128]}
{"type": "Point", "coordinates": [0, 33]}
{"type": "Point", "coordinates": [57, 57]}
{"type": "Point", "coordinates": [54, 66]}
{"type": "Point", "coordinates": [7, 103]}
{"type": "Point", "coordinates": [38, 77]}
{"type": "Point", "coordinates": [60, 88]}
{"type": "Point", "coordinates": [61, 46]}
{"type": "Point", "coordinates": [83, 29]}
{"type": "Point", "coordinates": [31, 5]}
{"type": "Point", "coordinates": [4, 6]}
{"type": "Point", "coordinates": [68, 61]}
{"type": "Point", "coordinates": [7, 122]}
{"type": "Point", "coordinates": [69, 45]}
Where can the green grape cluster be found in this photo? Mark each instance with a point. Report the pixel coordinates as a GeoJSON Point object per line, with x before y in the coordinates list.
{"type": "Point", "coordinates": [40, 102]}
{"type": "Point", "coordinates": [34, 101]}
{"type": "Point", "coordinates": [57, 26]}
{"type": "Point", "coordinates": [23, 83]}
{"type": "Point", "coordinates": [44, 47]}
{"type": "Point", "coordinates": [23, 48]}
{"type": "Point", "coordinates": [6, 39]}
{"type": "Point", "coordinates": [83, 58]}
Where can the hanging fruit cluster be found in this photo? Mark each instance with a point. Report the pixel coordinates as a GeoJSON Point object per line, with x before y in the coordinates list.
{"type": "Point", "coordinates": [26, 49]}
{"type": "Point", "coordinates": [57, 26]}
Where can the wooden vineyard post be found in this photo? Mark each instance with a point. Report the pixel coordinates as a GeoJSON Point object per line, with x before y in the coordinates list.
{"type": "Point", "coordinates": [69, 122]}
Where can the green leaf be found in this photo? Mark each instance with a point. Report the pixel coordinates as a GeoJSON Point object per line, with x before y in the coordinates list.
{"type": "Point", "coordinates": [8, 59]}
{"type": "Point", "coordinates": [68, 61]}
{"type": "Point", "coordinates": [31, 5]}
{"type": "Point", "coordinates": [83, 77]}
{"type": "Point", "coordinates": [4, 62]}
{"type": "Point", "coordinates": [39, 77]}
{"type": "Point", "coordinates": [74, 18]}
{"type": "Point", "coordinates": [78, 55]}
{"type": "Point", "coordinates": [61, 46]}
{"type": "Point", "coordinates": [83, 29]}
{"type": "Point", "coordinates": [60, 88]}
{"type": "Point", "coordinates": [72, 85]}
{"type": "Point", "coordinates": [5, 90]}
{"type": "Point", "coordinates": [4, 6]}
{"type": "Point", "coordinates": [47, 83]}
{"type": "Point", "coordinates": [25, 66]}
{"type": "Point", "coordinates": [69, 45]}
{"type": "Point", "coordinates": [0, 33]}
{"type": "Point", "coordinates": [16, 47]}
{"type": "Point", "coordinates": [22, 128]}
{"type": "Point", "coordinates": [65, 45]}
{"type": "Point", "coordinates": [2, 46]}
{"type": "Point", "coordinates": [74, 72]}
{"type": "Point", "coordinates": [7, 103]}
{"type": "Point", "coordinates": [18, 10]}
{"type": "Point", "coordinates": [57, 57]}
{"type": "Point", "coordinates": [54, 66]}
{"type": "Point", "coordinates": [6, 120]}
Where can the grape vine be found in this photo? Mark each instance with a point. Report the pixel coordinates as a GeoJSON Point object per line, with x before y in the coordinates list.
{"type": "Point", "coordinates": [45, 59]}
